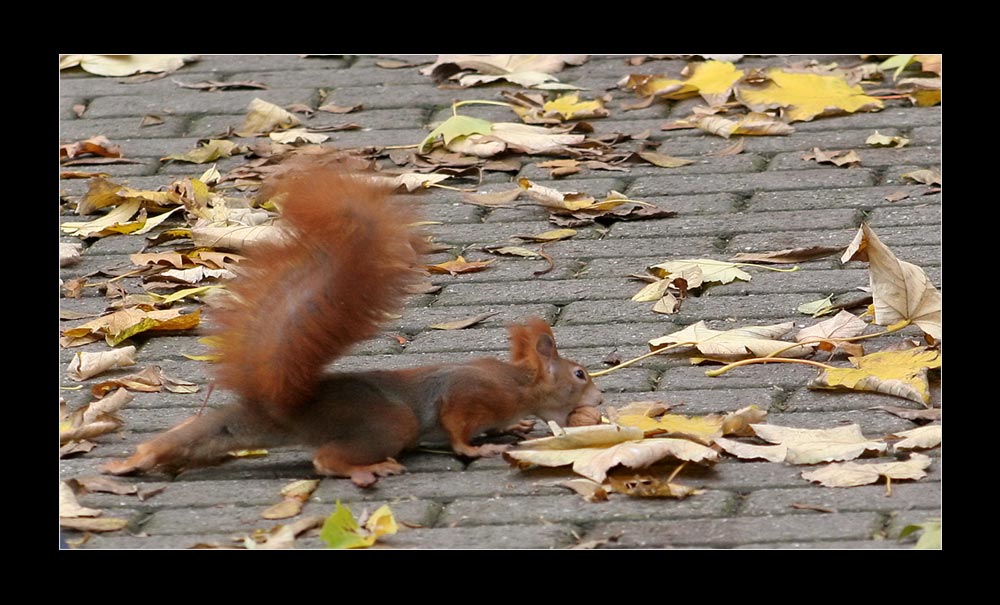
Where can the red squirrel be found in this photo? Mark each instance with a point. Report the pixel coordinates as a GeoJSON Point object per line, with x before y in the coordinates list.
{"type": "Point", "coordinates": [349, 260]}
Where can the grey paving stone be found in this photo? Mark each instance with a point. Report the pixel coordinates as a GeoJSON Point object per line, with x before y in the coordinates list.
{"type": "Point", "coordinates": [749, 183]}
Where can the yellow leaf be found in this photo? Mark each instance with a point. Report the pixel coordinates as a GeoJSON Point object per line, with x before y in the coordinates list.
{"type": "Point", "coordinates": [459, 265]}
{"type": "Point", "coordinates": [570, 106]}
{"type": "Point", "coordinates": [209, 151]}
{"type": "Point", "coordinates": [703, 429]}
{"type": "Point", "coordinates": [899, 373]}
{"type": "Point", "coordinates": [116, 221]}
{"type": "Point", "coordinates": [803, 96]}
{"type": "Point", "coordinates": [713, 80]}
{"type": "Point", "coordinates": [548, 236]}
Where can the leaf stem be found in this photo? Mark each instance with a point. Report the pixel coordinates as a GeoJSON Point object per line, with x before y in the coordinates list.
{"type": "Point", "coordinates": [625, 364]}
{"type": "Point", "coordinates": [457, 104]}
{"type": "Point", "coordinates": [754, 360]}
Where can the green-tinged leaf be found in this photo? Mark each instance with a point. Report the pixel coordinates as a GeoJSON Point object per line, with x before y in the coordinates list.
{"type": "Point", "coordinates": [930, 538]}
{"type": "Point", "coordinates": [454, 127]}
{"type": "Point", "coordinates": [340, 530]}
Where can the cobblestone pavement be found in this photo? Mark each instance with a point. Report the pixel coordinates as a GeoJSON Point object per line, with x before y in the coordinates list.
{"type": "Point", "coordinates": [766, 198]}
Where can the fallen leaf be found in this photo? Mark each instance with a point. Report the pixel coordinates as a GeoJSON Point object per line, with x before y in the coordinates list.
{"type": "Point", "coordinates": [458, 266]}
{"type": "Point", "coordinates": [881, 140]}
{"type": "Point", "coordinates": [209, 151]}
{"type": "Point", "coordinates": [851, 474]}
{"type": "Point", "coordinates": [898, 373]}
{"type": "Point", "coordinates": [333, 108]}
{"type": "Point", "coordinates": [930, 537]}
{"type": "Point", "coordinates": [103, 484]}
{"type": "Point", "coordinates": [703, 429]}
{"type": "Point", "coordinates": [85, 365]}
{"type": "Point", "coordinates": [750, 451]}
{"type": "Point", "coordinates": [591, 491]}
{"type": "Point", "coordinates": [593, 450]}
{"type": "Point", "coordinates": [150, 380]}
{"type": "Point", "coordinates": [925, 176]}
{"type": "Point", "coordinates": [150, 120]}
{"type": "Point", "coordinates": [264, 117]}
{"type": "Point", "coordinates": [493, 199]}
{"type": "Point", "coordinates": [297, 135]}
{"type": "Point", "coordinates": [295, 495]}
{"type": "Point", "coordinates": [817, 307]}
{"type": "Point", "coordinates": [93, 419]}
{"type": "Point", "coordinates": [281, 536]}
{"type": "Point", "coordinates": [99, 145]}
{"type": "Point", "coordinates": [512, 251]}
{"type": "Point", "coordinates": [454, 127]}
{"type": "Point", "coordinates": [927, 414]}
{"type": "Point", "coordinates": [837, 158]}
{"type": "Point", "coordinates": [896, 196]}
{"type": "Point", "coordinates": [713, 80]}
{"type": "Point", "coordinates": [804, 96]}
{"type": "Point", "coordinates": [751, 124]}
{"type": "Point", "coordinates": [809, 446]}
{"type": "Point", "coordinates": [663, 161]}
{"type": "Point", "coordinates": [921, 437]}
{"type": "Point", "coordinates": [650, 487]}
{"type": "Point", "coordinates": [94, 525]}
{"type": "Point", "coordinates": [512, 136]}
{"type": "Point", "coordinates": [125, 65]}
{"type": "Point", "coordinates": [570, 107]}
{"type": "Point", "coordinates": [548, 236]}
{"type": "Point", "coordinates": [738, 343]}
{"type": "Point", "coordinates": [340, 530]}
{"type": "Point", "coordinates": [788, 255]}
{"type": "Point", "coordinates": [901, 290]}
{"type": "Point", "coordinates": [525, 70]}
{"type": "Point", "coordinates": [841, 325]}
{"type": "Point", "coordinates": [460, 324]}
{"type": "Point", "coordinates": [711, 270]}
{"type": "Point", "coordinates": [116, 327]}
{"type": "Point", "coordinates": [214, 85]}
{"type": "Point", "coordinates": [68, 505]}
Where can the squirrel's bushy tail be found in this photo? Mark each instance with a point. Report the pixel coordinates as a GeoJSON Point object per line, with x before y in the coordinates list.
{"type": "Point", "coordinates": [348, 260]}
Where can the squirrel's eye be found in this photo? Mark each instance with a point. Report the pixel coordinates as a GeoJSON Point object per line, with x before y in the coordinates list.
{"type": "Point", "coordinates": [580, 374]}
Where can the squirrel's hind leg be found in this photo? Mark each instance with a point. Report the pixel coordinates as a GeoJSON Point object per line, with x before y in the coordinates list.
{"type": "Point", "coordinates": [334, 459]}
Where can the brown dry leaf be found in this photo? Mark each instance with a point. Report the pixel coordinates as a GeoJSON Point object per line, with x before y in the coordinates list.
{"type": "Point", "coordinates": [734, 148]}
{"type": "Point", "coordinates": [208, 151]}
{"type": "Point", "coordinates": [751, 124]}
{"type": "Point", "coordinates": [901, 290]}
{"type": "Point", "coordinates": [334, 108]}
{"type": "Point", "coordinates": [99, 145]}
{"type": "Point", "coordinates": [69, 254]}
{"type": "Point", "coordinates": [103, 484]}
{"type": "Point", "coordinates": [593, 450]}
{"type": "Point", "coordinates": [837, 158]}
{"type": "Point", "coordinates": [738, 343]}
{"type": "Point", "coordinates": [86, 365]}
{"type": "Point", "coordinates": [93, 419]}
{"type": "Point", "coordinates": [851, 474]}
{"type": "Point", "coordinates": [149, 380]}
{"type": "Point", "coordinates": [263, 117]}
{"type": "Point", "coordinates": [116, 327]}
{"type": "Point", "coordinates": [125, 65]}
{"type": "Point", "coordinates": [512, 251]}
{"type": "Point", "coordinates": [214, 85]}
{"type": "Point", "coordinates": [804, 96]}
{"type": "Point", "coordinates": [663, 161]}
{"type": "Point", "coordinates": [738, 422]}
{"type": "Point", "coordinates": [69, 507]}
{"type": "Point", "coordinates": [921, 437]}
{"type": "Point", "coordinates": [458, 266]}
{"type": "Point", "coordinates": [492, 199]}
{"type": "Point", "coordinates": [547, 236]}
{"type": "Point", "coordinates": [788, 255]}
{"type": "Point", "coordinates": [932, 414]}
{"type": "Point", "coordinates": [896, 196]}
{"type": "Point", "coordinates": [809, 446]}
{"type": "Point", "coordinates": [841, 325]}
{"type": "Point", "coordinates": [650, 487]}
{"type": "Point", "coordinates": [926, 176]}
{"type": "Point", "coordinates": [898, 373]}
{"type": "Point", "coordinates": [460, 324]}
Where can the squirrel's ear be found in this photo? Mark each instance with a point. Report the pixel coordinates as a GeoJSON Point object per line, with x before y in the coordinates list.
{"type": "Point", "coordinates": [531, 342]}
